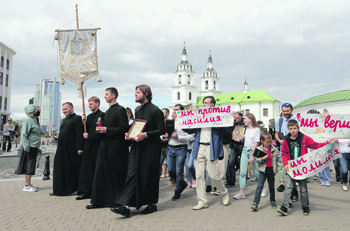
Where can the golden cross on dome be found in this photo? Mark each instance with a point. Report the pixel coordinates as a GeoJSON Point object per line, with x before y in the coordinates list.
{"type": "Point", "coordinates": [210, 52]}
{"type": "Point", "coordinates": [184, 44]}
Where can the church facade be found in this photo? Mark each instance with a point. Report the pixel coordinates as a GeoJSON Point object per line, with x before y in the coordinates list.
{"type": "Point", "coordinates": [184, 91]}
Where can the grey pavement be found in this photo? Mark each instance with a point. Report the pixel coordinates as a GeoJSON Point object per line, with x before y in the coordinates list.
{"type": "Point", "coordinates": [38, 211]}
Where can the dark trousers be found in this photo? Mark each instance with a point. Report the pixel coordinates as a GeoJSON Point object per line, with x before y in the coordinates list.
{"type": "Point", "coordinates": [270, 176]}
{"type": "Point", "coordinates": [233, 162]}
{"type": "Point", "coordinates": [163, 155]}
{"type": "Point", "coordinates": [6, 138]}
{"type": "Point", "coordinates": [338, 173]}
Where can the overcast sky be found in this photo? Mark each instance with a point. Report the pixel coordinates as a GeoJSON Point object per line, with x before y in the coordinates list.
{"type": "Point", "coordinates": [291, 49]}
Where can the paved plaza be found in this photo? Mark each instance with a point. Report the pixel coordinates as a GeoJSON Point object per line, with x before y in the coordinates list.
{"type": "Point", "coordinates": [38, 211]}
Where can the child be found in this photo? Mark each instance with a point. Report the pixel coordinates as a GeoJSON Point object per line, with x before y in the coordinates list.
{"type": "Point", "coordinates": [268, 167]}
{"type": "Point", "coordinates": [295, 144]}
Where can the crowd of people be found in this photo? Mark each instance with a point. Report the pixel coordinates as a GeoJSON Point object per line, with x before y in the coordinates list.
{"type": "Point", "coordinates": [98, 159]}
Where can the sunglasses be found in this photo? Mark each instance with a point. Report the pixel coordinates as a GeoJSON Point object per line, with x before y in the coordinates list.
{"type": "Point", "coordinates": [286, 105]}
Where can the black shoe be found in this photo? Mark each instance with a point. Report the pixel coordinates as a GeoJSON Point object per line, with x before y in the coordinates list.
{"type": "Point", "coordinates": [283, 210]}
{"type": "Point", "coordinates": [82, 197]}
{"type": "Point", "coordinates": [306, 211]}
{"type": "Point", "coordinates": [208, 188]}
{"type": "Point", "coordinates": [280, 188]}
{"type": "Point", "coordinates": [176, 197]}
{"type": "Point", "coordinates": [183, 187]}
{"type": "Point", "coordinates": [122, 210]}
{"type": "Point", "coordinates": [230, 185]}
{"type": "Point", "coordinates": [94, 206]}
{"type": "Point", "coordinates": [149, 209]}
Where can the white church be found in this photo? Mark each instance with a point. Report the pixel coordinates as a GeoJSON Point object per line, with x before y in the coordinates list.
{"type": "Point", "coordinates": [185, 92]}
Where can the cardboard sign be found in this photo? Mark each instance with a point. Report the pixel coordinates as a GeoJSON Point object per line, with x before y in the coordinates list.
{"type": "Point", "coordinates": [205, 117]}
{"type": "Point", "coordinates": [325, 126]}
{"type": "Point", "coordinates": [314, 161]}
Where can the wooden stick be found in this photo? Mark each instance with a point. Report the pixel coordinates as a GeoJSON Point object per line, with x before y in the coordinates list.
{"type": "Point", "coordinates": [76, 15]}
{"type": "Point", "coordinates": [82, 97]}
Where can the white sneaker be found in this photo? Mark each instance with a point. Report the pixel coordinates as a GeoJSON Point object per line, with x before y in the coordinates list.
{"type": "Point", "coordinates": [323, 184]}
{"type": "Point", "coordinates": [34, 186]}
{"type": "Point", "coordinates": [345, 188]}
{"type": "Point", "coordinates": [296, 183]}
{"type": "Point", "coordinates": [248, 175]}
{"type": "Point", "coordinates": [315, 177]}
{"type": "Point", "coordinates": [239, 195]}
{"type": "Point", "coordinates": [328, 184]}
{"type": "Point", "coordinates": [29, 189]}
{"type": "Point", "coordinates": [264, 192]}
{"type": "Point", "coordinates": [214, 191]}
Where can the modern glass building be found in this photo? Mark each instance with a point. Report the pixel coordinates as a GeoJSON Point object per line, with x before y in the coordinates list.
{"type": "Point", "coordinates": [48, 96]}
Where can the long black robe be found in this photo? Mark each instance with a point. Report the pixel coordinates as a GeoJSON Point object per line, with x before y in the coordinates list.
{"type": "Point", "coordinates": [112, 159]}
{"type": "Point", "coordinates": [89, 157]}
{"type": "Point", "coordinates": [142, 183]}
{"type": "Point", "coordinates": [67, 161]}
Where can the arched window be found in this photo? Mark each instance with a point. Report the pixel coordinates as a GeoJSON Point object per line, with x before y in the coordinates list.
{"type": "Point", "coordinates": [188, 79]}
{"type": "Point", "coordinates": [207, 74]}
{"type": "Point", "coordinates": [190, 96]}
{"type": "Point", "coordinates": [206, 85]}
{"type": "Point", "coordinates": [214, 85]}
{"type": "Point", "coordinates": [178, 96]}
{"type": "Point", "coordinates": [188, 67]}
{"type": "Point", "coordinates": [2, 61]}
{"type": "Point", "coordinates": [265, 112]}
{"type": "Point", "coordinates": [247, 111]}
{"type": "Point", "coordinates": [7, 64]}
{"type": "Point", "coordinates": [180, 79]}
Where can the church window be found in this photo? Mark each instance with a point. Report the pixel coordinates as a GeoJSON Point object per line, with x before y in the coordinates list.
{"type": "Point", "coordinates": [247, 111]}
{"type": "Point", "coordinates": [179, 79]}
{"type": "Point", "coordinates": [8, 64]}
{"type": "Point", "coordinates": [206, 85]}
{"type": "Point", "coordinates": [190, 96]}
{"type": "Point", "coordinates": [265, 112]}
{"type": "Point", "coordinates": [188, 67]}
{"type": "Point", "coordinates": [214, 85]}
{"type": "Point", "coordinates": [2, 61]}
{"type": "Point", "coordinates": [207, 74]}
{"type": "Point", "coordinates": [178, 96]}
{"type": "Point", "coordinates": [214, 74]}
{"type": "Point", "coordinates": [188, 79]}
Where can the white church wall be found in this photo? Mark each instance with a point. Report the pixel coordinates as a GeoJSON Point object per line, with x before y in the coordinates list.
{"type": "Point", "coordinates": [337, 107]}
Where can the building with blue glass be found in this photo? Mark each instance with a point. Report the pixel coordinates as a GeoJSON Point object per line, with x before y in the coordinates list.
{"type": "Point", "coordinates": [48, 96]}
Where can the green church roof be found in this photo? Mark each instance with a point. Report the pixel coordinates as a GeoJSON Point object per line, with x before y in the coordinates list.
{"type": "Point", "coordinates": [240, 97]}
{"type": "Point", "coordinates": [326, 98]}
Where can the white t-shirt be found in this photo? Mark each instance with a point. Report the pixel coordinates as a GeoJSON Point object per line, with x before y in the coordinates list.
{"type": "Point", "coordinates": [251, 136]}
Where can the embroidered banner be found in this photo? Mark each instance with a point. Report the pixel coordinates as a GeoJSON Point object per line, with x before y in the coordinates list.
{"type": "Point", "coordinates": [325, 126]}
{"type": "Point", "coordinates": [205, 117]}
{"type": "Point", "coordinates": [314, 161]}
{"type": "Point", "coordinates": [78, 54]}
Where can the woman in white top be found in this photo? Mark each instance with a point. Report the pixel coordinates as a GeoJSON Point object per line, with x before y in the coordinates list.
{"type": "Point", "coordinates": [251, 140]}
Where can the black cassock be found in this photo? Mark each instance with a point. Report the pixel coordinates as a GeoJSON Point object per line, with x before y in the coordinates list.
{"type": "Point", "coordinates": [112, 159]}
{"type": "Point", "coordinates": [67, 161]}
{"type": "Point", "coordinates": [89, 157]}
{"type": "Point", "coordinates": [142, 183]}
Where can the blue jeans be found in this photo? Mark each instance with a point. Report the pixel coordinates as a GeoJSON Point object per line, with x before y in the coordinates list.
{"type": "Point", "coordinates": [244, 167]}
{"type": "Point", "coordinates": [338, 174]}
{"type": "Point", "coordinates": [345, 166]}
{"type": "Point", "coordinates": [176, 163]}
{"type": "Point", "coordinates": [325, 175]}
{"type": "Point", "coordinates": [235, 152]}
{"type": "Point", "coordinates": [190, 170]}
{"type": "Point", "coordinates": [270, 176]}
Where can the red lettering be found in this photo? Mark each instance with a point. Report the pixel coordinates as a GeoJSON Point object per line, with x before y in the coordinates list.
{"type": "Point", "coordinates": [199, 121]}
{"type": "Point", "coordinates": [190, 122]}
{"type": "Point", "coordinates": [218, 118]}
{"type": "Point", "coordinates": [312, 168]}
{"type": "Point", "coordinates": [206, 120]}
{"type": "Point", "coordinates": [293, 164]}
{"type": "Point", "coordinates": [296, 173]}
{"type": "Point", "coordinates": [301, 160]}
{"type": "Point", "coordinates": [319, 164]}
{"type": "Point", "coordinates": [212, 119]}
{"type": "Point", "coordinates": [215, 110]}
{"type": "Point", "coordinates": [306, 123]}
{"type": "Point", "coordinates": [228, 110]}
{"type": "Point", "coordinates": [304, 169]}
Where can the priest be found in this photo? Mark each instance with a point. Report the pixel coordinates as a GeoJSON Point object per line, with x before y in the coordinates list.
{"type": "Point", "coordinates": [92, 144]}
{"type": "Point", "coordinates": [113, 154]}
{"type": "Point", "coordinates": [68, 154]}
{"type": "Point", "coordinates": [142, 183]}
